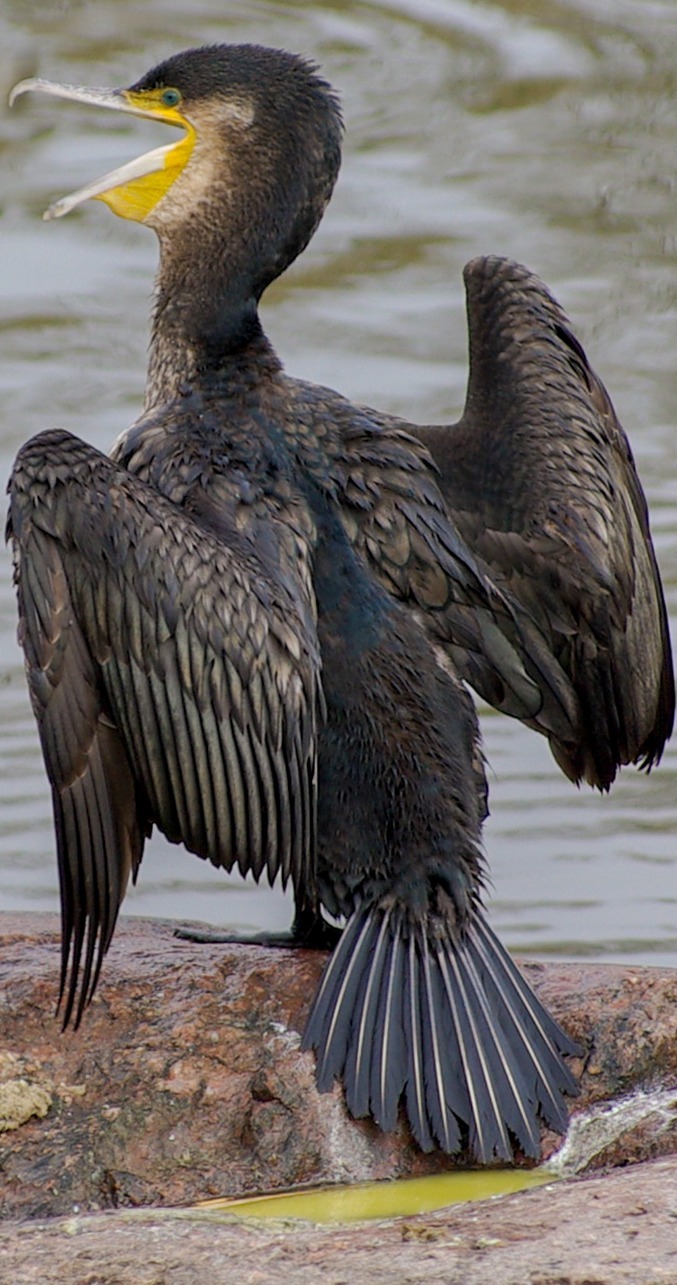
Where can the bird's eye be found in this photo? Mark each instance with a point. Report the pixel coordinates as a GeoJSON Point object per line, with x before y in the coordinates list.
{"type": "Point", "coordinates": [171, 98]}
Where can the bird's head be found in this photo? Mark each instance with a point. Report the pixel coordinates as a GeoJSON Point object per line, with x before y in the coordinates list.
{"type": "Point", "coordinates": [258, 156]}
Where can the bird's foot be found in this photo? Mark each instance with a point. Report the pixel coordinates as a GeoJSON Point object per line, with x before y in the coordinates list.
{"type": "Point", "coordinates": [214, 935]}
{"type": "Point", "coordinates": [318, 935]}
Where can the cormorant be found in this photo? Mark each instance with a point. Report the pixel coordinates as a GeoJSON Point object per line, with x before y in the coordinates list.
{"type": "Point", "coordinates": [245, 629]}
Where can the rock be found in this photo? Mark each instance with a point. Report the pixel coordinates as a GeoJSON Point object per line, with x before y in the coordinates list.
{"type": "Point", "coordinates": [619, 1229]}
{"type": "Point", "coordinates": [186, 1081]}
{"type": "Point", "coordinates": [20, 1099]}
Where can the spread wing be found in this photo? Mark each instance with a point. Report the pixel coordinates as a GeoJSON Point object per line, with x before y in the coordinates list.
{"type": "Point", "coordinates": [173, 681]}
{"type": "Point", "coordinates": [385, 485]}
{"type": "Point", "coordinates": [539, 477]}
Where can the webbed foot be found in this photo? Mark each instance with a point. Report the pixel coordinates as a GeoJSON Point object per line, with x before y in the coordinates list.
{"type": "Point", "coordinates": [309, 931]}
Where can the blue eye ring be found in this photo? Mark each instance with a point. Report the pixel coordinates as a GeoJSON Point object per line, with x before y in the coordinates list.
{"type": "Point", "coordinates": [170, 98]}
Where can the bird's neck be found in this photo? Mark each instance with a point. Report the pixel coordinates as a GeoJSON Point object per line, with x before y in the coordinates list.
{"type": "Point", "coordinates": [205, 320]}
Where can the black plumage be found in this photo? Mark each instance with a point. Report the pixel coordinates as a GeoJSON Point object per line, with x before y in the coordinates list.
{"type": "Point", "coordinates": [175, 676]}
{"type": "Point", "coordinates": [246, 628]}
{"type": "Point", "coordinates": [539, 478]}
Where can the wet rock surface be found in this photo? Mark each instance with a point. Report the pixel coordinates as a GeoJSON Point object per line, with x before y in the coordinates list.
{"type": "Point", "coordinates": [186, 1081]}
{"type": "Point", "coordinates": [619, 1230]}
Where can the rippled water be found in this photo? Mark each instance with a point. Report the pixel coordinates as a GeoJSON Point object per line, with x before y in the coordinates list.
{"type": "Point", "coordinates": [546, 131]}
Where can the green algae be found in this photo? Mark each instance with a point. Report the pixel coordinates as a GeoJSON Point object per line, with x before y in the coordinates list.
{"type": "Point", "coordinates": [359, 1202]}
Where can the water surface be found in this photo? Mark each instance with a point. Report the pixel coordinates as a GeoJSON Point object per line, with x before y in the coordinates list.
{"type": "Point", "coordinates": [542, 130]}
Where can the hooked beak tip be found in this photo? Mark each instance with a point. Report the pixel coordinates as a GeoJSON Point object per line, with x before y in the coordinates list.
{"type": "Point", "coordinates": [16, 91]}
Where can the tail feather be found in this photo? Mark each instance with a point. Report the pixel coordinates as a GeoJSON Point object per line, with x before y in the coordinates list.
{"type": "Point", "coordinates": [336, 1001]}
{"type": "Point", "coordinates": [499, 1070]}
{"type": "Point", "coordinates": [388, 1053]}
{"type": "Point", "coordinates": [488, 1133]}
{"type": "Point", "coordinates": [442, 1055]}
{"type": "Point", "coordinates": [419, 1068]}
{"type": "Point", "coordinates": [450, 1027]}
{"type": "Point", "coordinates": [358, 1067]}
{"type": "Point", "coordinates": [537, 1038]}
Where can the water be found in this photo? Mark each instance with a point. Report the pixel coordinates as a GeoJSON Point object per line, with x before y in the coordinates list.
{"type": "Point", "coordinates": [363, 1201]}
{"type": "Point", "coordinates": [544, 130]}
{"type": "Point", "coordinates": [592, 1133]}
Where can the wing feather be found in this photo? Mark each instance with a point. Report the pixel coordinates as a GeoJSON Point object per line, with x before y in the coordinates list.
{"type": "Point", "coordinates": [539, 478]}
{"type": "Point", "coordinates": [394, 513]}
{"type": "Point", "coordinates": [174, 682]}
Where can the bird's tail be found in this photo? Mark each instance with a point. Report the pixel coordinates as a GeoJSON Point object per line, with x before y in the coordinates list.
{"type": "Point", "coordinates": [450, 1026]}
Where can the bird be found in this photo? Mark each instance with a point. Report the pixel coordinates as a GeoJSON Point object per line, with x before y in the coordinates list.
{"type": "Point", "coordinates": [250, 625]}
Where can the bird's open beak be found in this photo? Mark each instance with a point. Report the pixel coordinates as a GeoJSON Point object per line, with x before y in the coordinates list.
{"type": "Point", "coordinates": [133, 190]}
